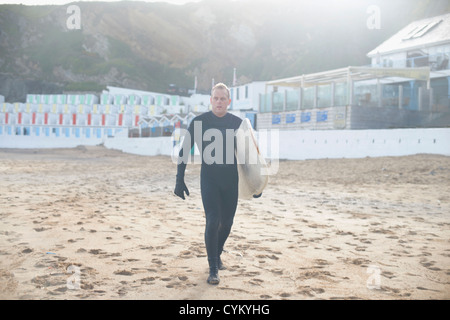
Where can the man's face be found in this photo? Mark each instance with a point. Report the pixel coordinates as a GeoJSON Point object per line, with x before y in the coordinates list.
{"type": "Point", "coordinates": [220, 102]}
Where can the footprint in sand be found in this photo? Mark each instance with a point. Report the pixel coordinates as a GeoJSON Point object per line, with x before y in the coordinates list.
{"type": "Point", "coordinates": [429, 265]}
{"type": "Point", "coordinates": [256, 282]}
{"type": "Point", "coordinates": [309, 291]}
{"type": "Point", "coordinates": [124, 272]}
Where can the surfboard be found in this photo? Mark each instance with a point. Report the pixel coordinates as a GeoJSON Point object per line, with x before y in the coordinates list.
{"type": "Point", "coordinates": [252, 167]}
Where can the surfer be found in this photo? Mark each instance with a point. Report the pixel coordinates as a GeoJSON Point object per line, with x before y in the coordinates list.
{"type": "Point", "coordinates": [218, 177]}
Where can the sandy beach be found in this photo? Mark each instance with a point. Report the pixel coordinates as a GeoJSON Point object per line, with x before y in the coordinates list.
{"type": "Point", "coordinates": [93, 223]}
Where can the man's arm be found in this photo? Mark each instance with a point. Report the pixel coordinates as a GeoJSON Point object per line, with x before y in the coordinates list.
{"type": "Point", "coordinates": [183, 157]}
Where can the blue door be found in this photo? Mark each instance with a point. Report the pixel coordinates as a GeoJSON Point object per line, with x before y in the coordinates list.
{"type": "Point", "coordinates": [252, 117]}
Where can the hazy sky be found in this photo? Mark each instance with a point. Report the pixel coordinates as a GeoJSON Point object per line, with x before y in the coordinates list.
{"type": "Point", "coordinates": [43, 2]}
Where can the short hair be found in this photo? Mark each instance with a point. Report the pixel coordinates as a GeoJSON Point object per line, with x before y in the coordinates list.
{"type": "Point", "coordinates": [221, 86]}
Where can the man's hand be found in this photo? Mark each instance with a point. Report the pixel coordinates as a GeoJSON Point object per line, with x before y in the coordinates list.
{"type": "Point", "coordinates": [180, 188]}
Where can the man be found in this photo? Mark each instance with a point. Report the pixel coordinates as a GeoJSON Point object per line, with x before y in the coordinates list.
{"type": "Point", "coordinates": [214, 132]}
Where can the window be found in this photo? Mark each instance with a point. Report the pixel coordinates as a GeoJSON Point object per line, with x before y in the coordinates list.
{"type": "Point", "coordinates": [246, 92]}
{"type": "Point", "coordinates": [420, 30]}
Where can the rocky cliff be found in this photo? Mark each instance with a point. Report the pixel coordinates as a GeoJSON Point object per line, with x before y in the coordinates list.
{"type": "Point", "coordinates": [148, 46]}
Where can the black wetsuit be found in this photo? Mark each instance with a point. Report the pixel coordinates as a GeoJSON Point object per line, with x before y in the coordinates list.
{"type": "Point", "coordinates": [219, 176]}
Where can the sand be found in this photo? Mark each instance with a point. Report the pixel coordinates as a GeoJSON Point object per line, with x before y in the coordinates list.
{"type": "Point", "coordinates": [93, 223]}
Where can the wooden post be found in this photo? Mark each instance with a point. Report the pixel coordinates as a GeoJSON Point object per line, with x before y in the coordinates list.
{"type": "Point", "coordinates": [431, 98]}
{"type": "Point", "coordinates": [349, 88]}
{"type": "Point", "coordinates": [420, 98]}
{"type": "Point", "coordinates": [379, 93]}
{"type": "Point", "coordinates": [332, 94]}
{"type": "Point", "coordinates": [300, 97]}
{"type": "Point", "coordinates": [400, 97]}
{"type": "Point", "coordinates": [315, 104]}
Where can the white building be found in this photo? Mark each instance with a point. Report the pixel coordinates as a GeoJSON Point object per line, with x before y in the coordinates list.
{"type": "Point", "coordinates": [246, 96]}
{"type": "Point", "coordinates": [421, 43]}
{"type": "Point", "coordinates": [245, 100]}
{"type": "Point", "coordinates": [407, 85]}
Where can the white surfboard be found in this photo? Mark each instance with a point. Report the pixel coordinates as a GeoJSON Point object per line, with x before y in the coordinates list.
{"type": "Point", "coordinates": [252, 167]}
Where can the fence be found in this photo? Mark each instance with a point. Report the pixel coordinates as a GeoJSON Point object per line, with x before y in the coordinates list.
{"type": "Point", "coordinates": [407, 95]}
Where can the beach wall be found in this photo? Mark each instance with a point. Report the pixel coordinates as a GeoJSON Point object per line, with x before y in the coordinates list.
{"type": "Point", "coordinates": [319, 144]}
{"type": "Point", "coordinates": [142, 146]}
{"type": "Point", "coordinates": [305, 144]}
{"type": "Point", "coordinates": [276, 144]}
{"type": "Point", "coordinates": [43, 142]}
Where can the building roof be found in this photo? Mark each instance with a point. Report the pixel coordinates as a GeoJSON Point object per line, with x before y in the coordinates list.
{"type": "Point", "coordinates": [418, 34]}
{"type": "Point", "coordinates": [353, 74]}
